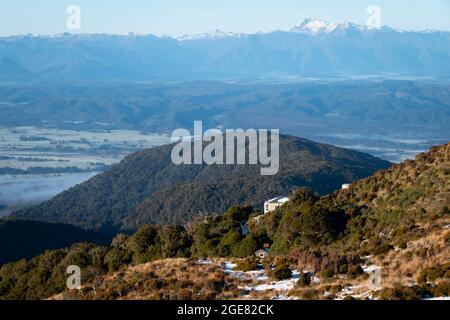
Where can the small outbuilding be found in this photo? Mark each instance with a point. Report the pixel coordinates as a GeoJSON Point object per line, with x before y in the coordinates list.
{"type": "Point", "coordinates": [274, 203]}
{"type": "Point", "coordinates": [346, 186]}
{"type": "Point", "coordinates": [262, 253]}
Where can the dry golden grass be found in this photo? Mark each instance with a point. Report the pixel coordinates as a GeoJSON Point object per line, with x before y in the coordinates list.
{"type": "Point", "coordinates": [404, 266]}
{"type": "Point", "coordinates": [174, 279]}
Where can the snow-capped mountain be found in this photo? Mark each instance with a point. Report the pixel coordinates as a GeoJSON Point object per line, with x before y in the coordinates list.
{"type": "Point", "coordinates": [213, 35]}
{"type": "Point", "coordinates": [312, 47]}
{"type": "Point", "coordinates": [314, 26]}
{"type": "Point", "coordinates": [310, 26]}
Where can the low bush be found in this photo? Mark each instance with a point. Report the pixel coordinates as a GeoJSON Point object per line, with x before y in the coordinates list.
{"type": "Point", "coordinates": [403, 245]}
{"type": "Point", "coordinates": [246, 265]}
{"type": "Point", "coordinates": [343, 268]}
{"type": "Point", "coordinates": [281, 272]}
{"type": "Point", "coordinates": [447, 239]}
{"type": "Point", "coordinates": [441, 290]}
{"type": "Point", "coordinates": [400, 293]}
{"type": "Point", "coordinates": [327, 273]}
{"type": "Point", "coordinates": [382, 249]}
{"type": "Point", "coordinates": [433, 273]}
{"type": "Point", "coordinates": [304, 279]}
{"type": "Point", "coordinates": [355, 271]}
{"type": "Point", "coordinates": [310, 294]}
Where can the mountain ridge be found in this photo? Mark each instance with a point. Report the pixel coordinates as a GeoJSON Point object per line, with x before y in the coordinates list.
{"type": "Point", "coordinates": [221, 55]}
{"type": "Point", "coordinates": [339, 239]}
{"type": "Point", "coordinates": [310, 24]}
{"type": "Point", "coordinates": [146, 187]}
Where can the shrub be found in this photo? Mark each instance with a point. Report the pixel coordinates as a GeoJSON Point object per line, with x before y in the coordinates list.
{"type": "Point", "coordinates": [246, 247]}
{"type": "Point", "coordinates": [228, 242]}
{"type": "Point", "coordinates": [327, 273]}
{"type": "Point", "coordinates": [433, 273]}
{"type": "Point", "coordinates": [447, 239]}
{"type": "Point", "coordinates": [117, 258]}
{"type": "Point", "coordinates": [441, 290]}
{"type": "Point", "coordinates": [214, 284]}
{"type": "Point", "coordinates": [343, 268]}
{"type": "Point", "coordinates": [140, 241]}
{"type": "Point", "coordinates": [281, 272]}
{"type": "Point", "coordinates": [336, 288]}
{"type": "Point", "coordinates": [382, 249]}
{"type": "Point", "coordinates": [310, 294]}
{"type": "Point", "coordinates": [400, 293]}
{"type": "Point", "coordinates": [355, 271]}
{"type": "Point", "coordinates": [238, 214]}
{"type": "Point", "coordinates": [304, 279]}
{"type": "Point", "coordinates": [246, 265]}
{"type": "Point", "coordinates": [302, 195]}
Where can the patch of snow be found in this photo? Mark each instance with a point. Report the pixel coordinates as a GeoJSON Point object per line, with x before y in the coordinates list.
{"type": "Point", "coordinates": [213, 35]}
{"type": "Point", "coordinates": [244, 228]}
{"type": "Point", "coordinates": [357, 291]}
{"type": "Point", "coordinates": [315, 280]}
{"type": "Point", "coordinates": [229, 267]}
{"type": "Point", "coordinates": [371, 268]}
{"type": "Point", "coordinates": [317, 26]}
{"type": "Point", "coordinates": [438, 298]}
{"type": "Point", "coordinates": [204, 261]}
{"type": "Point", "coordinates": [282, 285]}
{"type": "Point", "coordinates": [259, 275]}
{"type": "Point", "coordinates": [282, 297]}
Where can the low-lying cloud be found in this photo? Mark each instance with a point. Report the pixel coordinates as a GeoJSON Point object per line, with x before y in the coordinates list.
{"type": "Point", "coordinates": [20, 191]}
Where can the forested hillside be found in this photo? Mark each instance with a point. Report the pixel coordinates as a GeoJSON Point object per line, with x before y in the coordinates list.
{"type": "Point", "coordinates": [146, 187]}
{"type": "Point", "coordinates": [334, 237]}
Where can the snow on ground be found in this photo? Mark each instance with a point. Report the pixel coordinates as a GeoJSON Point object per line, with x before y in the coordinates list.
{"type": "Point", "coordinates": [282, 285]}
{"type": "Point", "coordinates": [258, 275]}
{"type": "Point", "coordinates": [357, 292]}
{"type": "Point", "coordinates": [370, 269]}
{"type": "Point", "coordinates": [204, 261]}
{"type": "Point", "coordinates": [229, 267]}
{"type": "Point", "coordinates": [261, 281]}
{"type": "Point", "coordinates": [367, 289]}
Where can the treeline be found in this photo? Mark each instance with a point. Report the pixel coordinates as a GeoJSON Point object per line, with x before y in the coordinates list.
{"type": "Point", "coordinates": [328, 233]}
{"type": "Point", "coordinates": [204, 236]}
{"type": "Point", "coordinates": [321, 232]}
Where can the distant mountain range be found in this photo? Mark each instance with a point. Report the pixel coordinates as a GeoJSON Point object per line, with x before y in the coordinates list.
{"type": "Point", "coordinates": [313, 47]}
{"type": "Point", "coordinates": [385, 116]}
{"type": "Point", "coordinates": [146, 187]}
{"type": "Point", "coordinates": [299, 108]}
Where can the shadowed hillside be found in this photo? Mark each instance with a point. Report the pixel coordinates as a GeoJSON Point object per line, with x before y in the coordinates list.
{"type": "Point", "coordinates": [25, 239]}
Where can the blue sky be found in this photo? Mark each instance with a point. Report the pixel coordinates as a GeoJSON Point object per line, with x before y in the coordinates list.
{"type": "Point", "coordinates": [177, 17]}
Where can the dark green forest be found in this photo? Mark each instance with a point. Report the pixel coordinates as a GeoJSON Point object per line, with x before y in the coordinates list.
{"type": "Point", "coordinates": [146, 187]}
{"type": "Point", "coordinates": [330, 232]}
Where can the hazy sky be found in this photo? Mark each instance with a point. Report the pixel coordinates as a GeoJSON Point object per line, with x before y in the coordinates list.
{"type": "Point", "coordinates": [177, 17]}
